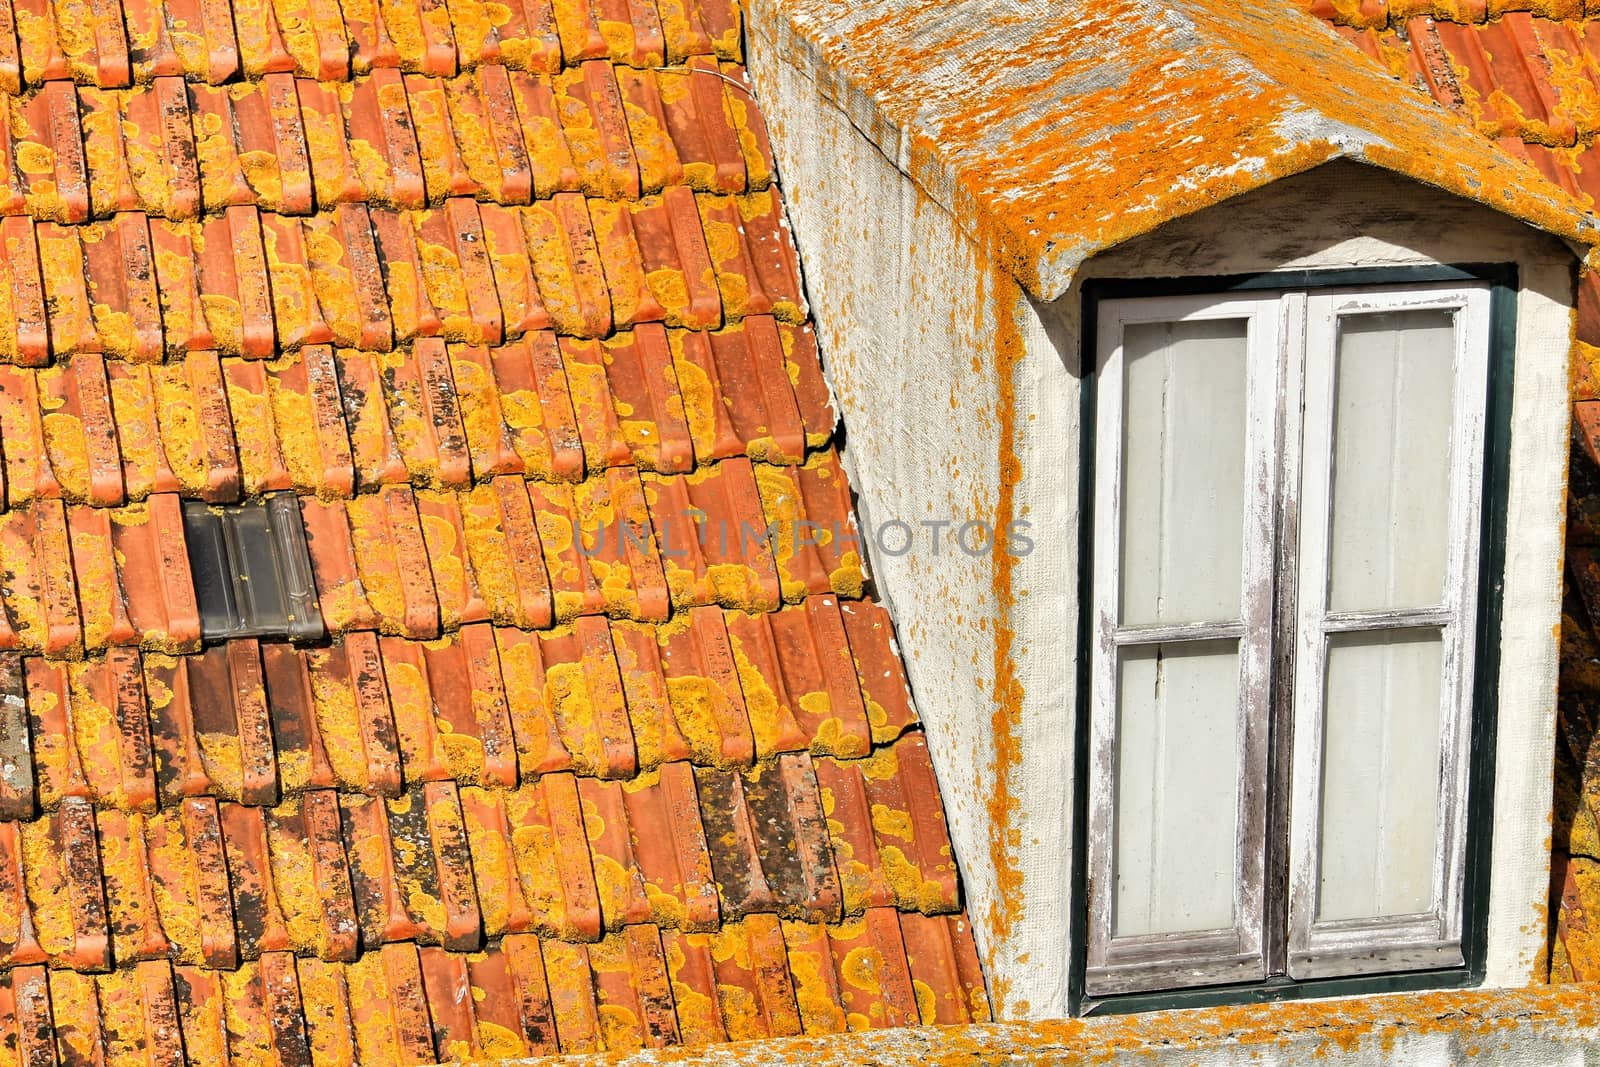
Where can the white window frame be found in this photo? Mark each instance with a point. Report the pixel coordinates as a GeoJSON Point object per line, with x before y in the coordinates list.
{"type": "Point", "coordinates": [1281, 629]}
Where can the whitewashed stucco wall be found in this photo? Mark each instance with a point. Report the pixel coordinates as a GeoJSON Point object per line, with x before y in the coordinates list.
{"type": "Point", "coordinates": [918, 330]}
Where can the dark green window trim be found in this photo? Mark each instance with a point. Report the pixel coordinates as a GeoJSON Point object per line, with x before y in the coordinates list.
{"type": "Point", "coordinates": [1503, 284]}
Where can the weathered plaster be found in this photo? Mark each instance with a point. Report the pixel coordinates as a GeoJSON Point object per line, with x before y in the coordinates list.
{"type": "Point", "coordinates": [1528, 1028]}
{"type": "Point", "coordinates": [920, 327]}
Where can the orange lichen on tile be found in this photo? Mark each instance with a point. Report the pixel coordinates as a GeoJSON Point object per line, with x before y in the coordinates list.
{"type": "Point", "coordinates": [511, 309]}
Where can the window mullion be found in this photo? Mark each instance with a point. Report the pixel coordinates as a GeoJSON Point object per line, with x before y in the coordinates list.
{"type": "Point", "coordinates": [1286, 548]}
{"type": "Point", "coordinates": [1308, 576]}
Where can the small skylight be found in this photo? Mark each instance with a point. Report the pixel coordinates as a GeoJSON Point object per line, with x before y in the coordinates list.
{"type": "Point", "coordinates": [252, 569]}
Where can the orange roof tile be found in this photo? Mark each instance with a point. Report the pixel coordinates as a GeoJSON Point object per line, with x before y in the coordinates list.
{"type": "Point", "coordinates": [506, 296]}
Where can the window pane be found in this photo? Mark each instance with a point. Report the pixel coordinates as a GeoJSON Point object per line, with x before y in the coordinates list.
{"type": "Point", "coordinates": [1177, 782]}
{"type": "Point", "coordinates": [1391, 473]}
{"type": "Point", "coordinates": [1380, 777]}
{"type": "Point", "coordinates": [1183, 471]}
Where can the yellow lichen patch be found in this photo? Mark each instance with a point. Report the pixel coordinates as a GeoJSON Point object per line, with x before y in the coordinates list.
{"type": "Point", "coordinates": [47, 895]}
{"type": "Point", "coordinates": [849, 578]}
{"type": "Point", "coordinates": [222, 758]}
{"type": "Point", "coordinates": [253, 430]}
{"type": "Point", "coordinates": [861, 967]}
{"type": "Point", "coordinates": [473, 21]}
{"type": "Point", "coordinates": [75, 1008]}
{"type": "Point", "coordinates": [447, 291]}
{"type": "Point", "coordinates": [374, 1026]}
{"type": "Point", "coordinates": [781, 504]}
{"type": "Point", "coordinates": [760, 701]}
{"type": "Point", "coordinates": [474, 140]}
{"type": "Point", "coordinates": [179, 419]}
{"type": "Point", "coordinates": [327, 1013]}
{"type": "Point", "coordinates": [369, 532]}
{"type": "Point", "coordinates": [927, 1001]}
{"type": "Point", "coordinates": [176, 905]}
{"type": "Point", "coordinates": [1585, 371]}
{"type": "Point", "coordinates": [734, 585]}
{"type": "Point", "coordinates": [666, 910]}
{"type": "Point", "coordinates": [882, 766]}
{"type": "Point", "coordinates": [293, 299]}
{"type": "Point", "coordinates": [496, 1042]}
{"type": "Point", "coordinates": [492, 567]}
{"type": "Point", "coordinates": [35, 158]}
{"type": "Point", "coordinates": [408, 419]}
{"type": "Point", "coordinates": [219, 166]}
{"type": "Point", "coordinates": [122, 1018]}
{"type": "Point", "coordinates": [476, 391]}
{"type": "Point", "coordinates": [695, 699]}
{"type": "Point", "coordinates": [294, 878]}
{"type": "Point", "coordinates": [697, 1013]}
{"type": "Point", "coordinates": [566, 694]}
{"type": "Point", "coordinates": [412, 704]}
{"type": "Point", "coordinates": [463, 753]}
{"type": "Point", "coordinates": [911, 891]}
{"type": "Point", "coordinates": [887, 821]}
{"type": "Point", "coordinates": [97, 587]}
{"type": "Point", "coordinates": [95, 729]}
{"type": "Point", "coordinates": [758, 175]}
{"type": "Point", "coordinates": [325, 141]}
{"type": "Point", "coordinates": [25, 607]}
{"type": "Point", "coordinates": [427, 908]}
{"type": "Point", "coordinates": [534, 846]}
{"type": "Point", "coordinates": [831, 738]}
{"type": "Point", "coordinates": [820, 1012]}
{"type": "Point", "coordinates": [613, 885]}
{"type": "Point", "coordinates": [491, 860]}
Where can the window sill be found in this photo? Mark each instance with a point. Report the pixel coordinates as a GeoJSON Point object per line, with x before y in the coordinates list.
{"type": "Point", "coordinates": [1548, 1025]}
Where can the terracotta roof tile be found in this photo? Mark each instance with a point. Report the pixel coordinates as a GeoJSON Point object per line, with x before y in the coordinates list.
{"type": "Point", "coordinates": [513, 310]}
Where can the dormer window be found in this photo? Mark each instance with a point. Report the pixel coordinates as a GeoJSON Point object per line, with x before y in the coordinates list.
{"type": "Point", "coordinates": [1286, 662]}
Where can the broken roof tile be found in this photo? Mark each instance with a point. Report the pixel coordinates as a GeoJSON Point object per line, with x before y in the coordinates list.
{"type": "Point", "coordinates": [738, 97]}
{"type": "Point", "coordinates": [755, 986]}
{"type": "Point", "coordinates": [875, 982]}
{"type": "Point", "coordinates": [39, 591]}
{"type": "Point", "coordinates": [670, 848]}
{"type": "Point", "coordinates": [908, 822]}
{"type": "Point", "coordinates": [599, 549]}
{"type": "Point", "coordinates": [603, 442]}
{"type": "Point", "coordinates": [632, 994]}
{"type": "Point", "coordinates": [943, 964]}
{"type": "Point", "coordinates": [557, 880]}
{"type": "Point", "coordinates": [501, 542]}
{"type": "Point", "coordinates": [538, 738]}
{"type": "Point", "coordinates": [656, 735]}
